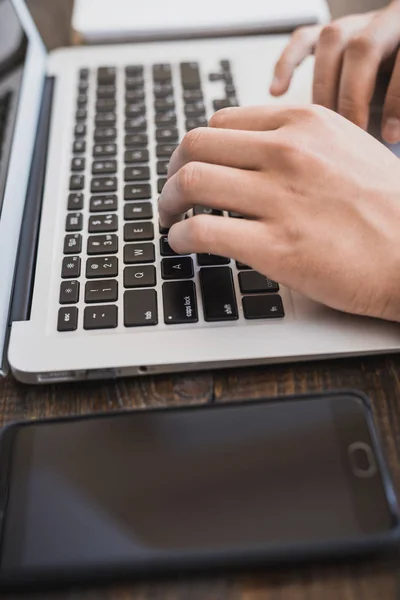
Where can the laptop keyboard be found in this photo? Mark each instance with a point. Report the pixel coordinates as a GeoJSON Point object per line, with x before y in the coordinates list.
{"type": "Point", "coordinates": [112, 236]}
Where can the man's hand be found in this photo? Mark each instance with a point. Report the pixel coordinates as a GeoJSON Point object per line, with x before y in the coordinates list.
{"type": "Point", "coordinates": [321, 199]}
{"type": "Point", "coordinates": [348, 55]}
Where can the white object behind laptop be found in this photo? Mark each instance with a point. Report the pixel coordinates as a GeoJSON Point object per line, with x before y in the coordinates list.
{"type": "Point", "coordinates": [96, 20]}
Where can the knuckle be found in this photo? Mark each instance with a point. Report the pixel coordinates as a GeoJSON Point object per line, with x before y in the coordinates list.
{"type": "Point", "coordinates": [362, 44]}
{"type": "Point", "coordinates": [392, 104]}
{"type": "Point", "coordinates": [188, 178]}
{"type": "Point", "coordinates": [332, 34]}
{"type": "Point", "coordinates": [191, 141]}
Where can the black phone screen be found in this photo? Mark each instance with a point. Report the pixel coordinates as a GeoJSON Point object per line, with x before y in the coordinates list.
{"type": "Point", "coordinates": [128, 487]}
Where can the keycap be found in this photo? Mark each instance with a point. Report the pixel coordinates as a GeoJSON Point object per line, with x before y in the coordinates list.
{"type": "Point", "coordinates": [167, 119]}
{"type": "Point", "coordinates": [160, 184]}
{"type": "Point", "coordinates": [82, 99]}
{"type": "Point", "coordinates": [106, 75]}
{"type": "Point", "coordinates": [134, 70]}
{"type": "Point", "coordinates": [103, 167]}
{"type": "Point", "coordinates": [74, 222]}
{"type": "Point", "coordinates": [71, 267]}
{"type": "Point", "coordinates": [140, 276]}
{"type": "Point", "coordinates": [165, 248]}
{"type": "Point", "coordinates": [101, 291]}
{"type": "Point", "coordinates": [100, 317]}
{"type": "Point", "coordinates": [224, 103]}
{"type": "Point", "coordinates": [80, 130]}
{"type": "Point", "coordinates": [180, 303]}
{"type": "Point", "coordinates": [106, 91]}
{"type": "Point", "coordinates": [165, 150]}
{"type": "Point", "coordinates": [177, 268]}
{"type": "Point", "coordinates": [138, 191]}
{"type": "Point", "coordinates": [101, 150]}
{"type": "Point", "coordinates": [162, 90]}
{"type": "Point", "coordinates": [216, 76]}
{"type": "Point", "coordinates": [139, 253]}
{"type": "Point", "coordinates": [77, 182]}
{"type": "Point", "coordinates": [163, 230]}
{"type": "Point", "coordinates": [137, 211]}
{"type": "Point", "coordinates": [192, 95]}
{"type": "Point", "coordinates": [138, 232]}
{"type": "Point", "coordinates": [81, 114]}
{"type": "Point", "coordinates": [168, 134]}
{"type": "Point", "coordinates": [102, 244]}
{"type": "Point", "coordinates": [106, 266]}
{"type": "Point", "coordinates": [195, 122]}
{"type": "Point", "coordinates": [83, 87]}
{"type": "Point", "coordinates": [104, 184]}
{"type": "Point", "coordinates": [75, 201]}
{"type": "Point", "coordinates": [136, 124]}
{"type": "Point", "coordinates": [135, 109]}
{"type": "Point", "coordinates": [73, 244]}
{"type": "Point", "coordinates": [104, 134]}
{"type": "Point", "coordinates": [190, 75]}
{"type": "Point", "coordinates": [164, 104]}
{"type": "Point", "coordinates": [78, 164]}
{"type": "Point", "coordinates": [139, 173]}
{"type": "Point", "coordinates": [134, 82]}
{"type": "Point", "coordinates": [69, 292]}
{"type": "Point", "coordinates": [138, 155]}
{"type": "Point", "coordinates": [140, 308]}
{"type": "Point", "coordinates": [103, 203]}
{"type": "Point", "coordinates": [263, 307]}
{"type": "Point", "coordinates": [106, 105]}
{"type": "Point", "coordinates": [106, 118]}
{"type": "Point", "coordinates": [197, 109]}
{"type": "Point", "coordinates": [162, 72]}
{"type": "Point", "coordinates": [219, 301]}
{"type": "Point", "coordinates": [207, 260]}
{"type": "Point", "coordinates": [162, 167]}
{"type": "Point", "coordinates": [225, 65]}
{"type": "Point", "coordinates": [252, 282]}
{"type": "Point", "coordinates": [136, 139]}
{"type": "Point", "coordinates": [79, 147]}
{"type": "Point", "coordinates": [103, 223]}
{"type": "Point", "coordinates": [67, 318]}
{"type": "Point", "coordinates": [204, 210]}
{"type": "Point", "coordinates": [230, 90]}
{"type": "Point", "coordinates": [133, 96]}
{"type": "Point", "coordinates": [242, 266]}
{"type": "Point", "coordinates": [84, 73]}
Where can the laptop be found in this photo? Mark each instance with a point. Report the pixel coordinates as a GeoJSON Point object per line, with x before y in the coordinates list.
{"type": "Point", "coordinates": [89, 285]}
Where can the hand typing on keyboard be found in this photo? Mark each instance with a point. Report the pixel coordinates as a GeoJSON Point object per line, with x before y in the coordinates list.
{"type": "Point", "coordinates": [349, 53]}
{"type": "Point", "coordinates": [320, 197]}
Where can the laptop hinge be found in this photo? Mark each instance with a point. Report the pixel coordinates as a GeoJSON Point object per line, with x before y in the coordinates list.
{"type": "Point", "coordinates": [27, 251]}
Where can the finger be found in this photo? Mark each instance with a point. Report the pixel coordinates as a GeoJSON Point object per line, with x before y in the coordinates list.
{"type": "Point", "coordinates": [251, 118]}
{"type": "Point", "coordinates": [361, 63]}
{"type": "Point", "coordinates": [391, 111]}
{"type": "Point", "coordinates": [221, 188]}
{"type": "Point", "coordinates": [239, 149]}
{"type": "Point", "coordinates": [300, 46]}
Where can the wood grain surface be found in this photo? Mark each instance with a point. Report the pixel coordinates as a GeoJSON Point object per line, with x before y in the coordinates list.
{"type": "Point", "coordinates": [379, 377]}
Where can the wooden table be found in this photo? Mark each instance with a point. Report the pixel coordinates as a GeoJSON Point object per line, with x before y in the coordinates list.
{"type": "Point", "coordinates": [378, 377]}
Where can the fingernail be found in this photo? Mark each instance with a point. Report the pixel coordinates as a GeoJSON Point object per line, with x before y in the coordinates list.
{"type": "Point", "coordinates": [391, 130]}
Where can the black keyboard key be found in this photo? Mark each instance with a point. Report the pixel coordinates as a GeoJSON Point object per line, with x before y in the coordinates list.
{"type": "Point", "coordinates": [84, 73]}
{"type": "Point", "coordinates": [162, 73]}
{"type": "Point", "coordinates": [139, 253]}
{"type": "Point", "coordinates": [263, 307]}
{"type": "Point", "coordinates": [104, 167]}
{"type": "Point", "coordinates": [252, 282]}
{"type": "Point", "coordinates": [101, 291]}
{"type": "Point", "coordinates": [104, 184]}
{"type": "Point", "coordinates": [164, 104]}
{"type": "Point", "coordinates": [190, 96]}
{"type": "Point", "coordinates": [71, 267]}
{"type": "Point", "coordinates": [139, 173]}
{"type": "Point", "coordinates": [136, 125]}
{"type": "Point", "coordinates": [106, 105]}
{"type": "Point", "coordinates": [162, 167]}
{"type": "Point", "coordinates": [190, 76]}
{"type": "Point", "coordinates": [165, 248]}
{"type": "Point", "coordinates": [82, 100]}
{"type": "Point", "coordinates": [195, 122]}
{"type": "Point", "coordinates": [167, 135]}
{"type": "Point", "coordinates": [103, 203]}
{"type": "Point", "coordinates": [177, 268]}
{"type": "Point", "coordinates": [137, 211]}
{"type": "Point", "coordinates": [136, 139]}
{"type": "Point", "coordinates": [105, 266]}
{"type": "Point", "coordinates": [103, 150]}
{"type": "Point", "coordinates": [225, 65]}
{"type": "Point", "coordinates": [140, 308]}
{"type": "Point", "coordinates": [180, 303]}
{"type": "Point", "coordinates": [163, 230]}
{"type": "Point", "coordinates": [162, 90]}
{"type": "Point", "coordinates": [138, 155]}
{"type": "Point", "coordinates": [135, 109]}
{"type": "Point", "coordinates": [138, 232]}
{"type": "Point", "coordinates": [230, 90]}
{"type": "Point", "coordinates": [77, 182]}
{"type": "Point", "coordinates": [138, 191]}
{"type": "Point", "coordinates": [134, 70]}
{"type": "Point", "coordinates": [104, 134]}
{"type": "Point", "coordinates": [100, 317]}
{"type": "Point", "coordinates": [67, 318]}
{"type": "Point", "coordinates": [80, 130]}
{"type": "Point", "coordinates": [75, 201]}
{"type": "Point", "coordinates": [197, 109]}
{"type": "Point", "coordinates": [207, 260]}
{"type": "Point", "coordinates": [74, 222]}
{"type": "Point", "coordinates": [106, 75]}
{"type": "Point", "coordinates": [133, 96]}
{"type": "Point", "coordinates": [79, 147]}
{"type": "Point", "coordinates": [225, 103]}
{"type": "Point", "coordinates": [102, 244]}
{"type": "Point", "coordinates": [166, 119]}
{"type": "Point", "coordinates": [216, 76]}
{"type": "Point", "coordinates": [204, 210]}
{"type": "Point", "coordinates": [165, 150]}
{"type": "Point", "coordinates": [134, 82]}
{"type": "Point", "coordinates": [81, 114]}
{"type": "Point", "coordinates": [219, 301]}
{"type": "Point", "coordinates": [106, 91]}
{"type": "Point", "coordinates": [83, 86]}
{"type": "Point", "coordinates": [106, 118]}
{"type": "Point", "coordinates": [140, 276]}
{"type": "Point", "coordinates": [73, 243]}
{"type": "Point", "coordinates": [242, 267]}
{"type": "Point", "coordinates": [78, 164]}
{"type": "Point", "coordinates": [69, 292]}
{"type": "Point", "coordinates": [103, 223]}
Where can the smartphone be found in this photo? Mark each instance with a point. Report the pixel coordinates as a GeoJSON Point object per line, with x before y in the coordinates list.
{"type": "Point", "coordinates": [141, 493]}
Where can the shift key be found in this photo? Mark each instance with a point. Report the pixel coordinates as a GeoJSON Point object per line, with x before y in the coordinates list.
{"type": "Point", "coordinates": [219, 300]}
